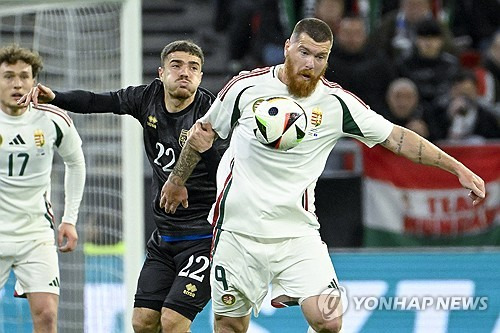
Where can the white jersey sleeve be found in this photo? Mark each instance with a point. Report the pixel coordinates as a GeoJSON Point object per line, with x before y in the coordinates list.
{"type": "Point", "coordinates": [69, 147]}
{"type": "Point", "coordinates": [360, 122]}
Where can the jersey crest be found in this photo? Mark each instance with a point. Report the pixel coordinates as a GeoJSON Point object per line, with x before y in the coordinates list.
{"type": "Point", "coordinates": [39, 138]}
{"type": "Point", "coordinates": [183, 137]}
{"type": "Point", "coordinates": [317, 117]}
{"type": "Point", "coordinates": [152, 121]}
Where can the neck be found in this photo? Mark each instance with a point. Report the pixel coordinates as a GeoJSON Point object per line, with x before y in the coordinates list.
{"type": "Point", "coordinates": [282, 75]}
{"type": "Point", "coordinates": [175, 105]}
{"type": "Point", "coordinates": [13, 111]}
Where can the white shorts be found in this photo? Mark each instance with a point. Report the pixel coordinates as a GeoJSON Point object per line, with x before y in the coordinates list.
{"type": "Point", "coordinates": [243, 267]}
{"type": "Point", "coordinates": [35, 266]}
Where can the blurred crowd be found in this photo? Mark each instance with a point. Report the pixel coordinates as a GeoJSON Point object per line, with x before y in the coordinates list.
{"type": "Point", "coordinates": [429, 65]}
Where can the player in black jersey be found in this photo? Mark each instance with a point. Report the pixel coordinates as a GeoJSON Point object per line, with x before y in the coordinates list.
{"type": "Point", "coordinates": [174, 282]}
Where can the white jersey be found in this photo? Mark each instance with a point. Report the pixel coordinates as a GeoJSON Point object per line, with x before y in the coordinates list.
{"type": "Point", "coordinates": [263, 192]}
{"type": "Point", "coordinates": [27, 145]}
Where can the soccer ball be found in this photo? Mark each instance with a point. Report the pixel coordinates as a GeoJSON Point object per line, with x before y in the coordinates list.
{"type": "Point", "coordinates": [281, 122]}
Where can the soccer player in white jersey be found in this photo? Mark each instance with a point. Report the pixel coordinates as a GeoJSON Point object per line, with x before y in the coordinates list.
{"type": "Point", "coordinates": [28, 139]}
{"type": "Point", "coordinates": [266, 231]}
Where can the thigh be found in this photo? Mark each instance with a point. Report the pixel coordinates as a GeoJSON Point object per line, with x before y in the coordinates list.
{"type": "Point", "coordinates": [239, 275]}
{"type": "Point", "coordinates": [156, 278]}
{"type": "Point", "coordinates": [37, 268]}
{"type": "Point", "coordinates": [303, 268]}
{"type": "Point", "coordinates": [41, 302]}
{"type": "Point", "coordinates": [7, 252]}
{"type": "Point", "coordinates": [190, 290]}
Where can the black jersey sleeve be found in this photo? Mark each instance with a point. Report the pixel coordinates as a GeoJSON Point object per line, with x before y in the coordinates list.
{"type": "Point", "coordinates": [81, 101]}
{"type": "Point", "coordinates": [124, 101]}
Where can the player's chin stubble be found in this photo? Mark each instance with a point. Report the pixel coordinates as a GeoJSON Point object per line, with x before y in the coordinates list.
{"type": "Point", "coordinates": [296, 85]}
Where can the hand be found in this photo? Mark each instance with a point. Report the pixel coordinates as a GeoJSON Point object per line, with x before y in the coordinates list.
{"type": "Point", "coordinates": [201, 137]}
{"type": "Point", "coordinates": [172, 194]}
{"type": "Point", "coordinates": [474, 183]}
{"type": "Point", "coordinates": [37, 94]}
{"type": "Point", "coordinates": [68, 231]}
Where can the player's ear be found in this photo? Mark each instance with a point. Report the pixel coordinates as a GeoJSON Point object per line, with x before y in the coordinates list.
{"type": "Point", "coordinates": [285, 48]}
{"type": "Point", "coordinates": [160, 73]}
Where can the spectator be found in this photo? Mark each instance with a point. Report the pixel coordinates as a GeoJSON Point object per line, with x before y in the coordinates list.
{"type": "Point", "coordinates": [460, 116]}
{"type": "Point", "coordinates": [475, 21]}
{"type": "Point", "coordinates": [331, 12]}
{"type": "Point", "coordinates": [358, 67]}
{"type": "Point", "coordinates": [396, 32]}
{"type": "Point", "coordinates": [403, 106]}
{"type": "Point", "coordinates": [429, 66]}
{"type": "Point", "coordinates": [492, 65]}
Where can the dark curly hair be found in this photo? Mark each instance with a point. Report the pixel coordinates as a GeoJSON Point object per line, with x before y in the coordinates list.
{"type": "Point", "coordinates": [13, 53]}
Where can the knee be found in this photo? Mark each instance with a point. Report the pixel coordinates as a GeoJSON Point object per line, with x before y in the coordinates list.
{"type": "Point", "coordinates": [229, 325]}
{"type": "Point", "coordinates": [169, 324]}
{"type": "Point", "coordinates": [330, 326]}
{"type": "Point", "coordinates": [46, 317]}
{"type": "Point", "coordinates": [145, 325]}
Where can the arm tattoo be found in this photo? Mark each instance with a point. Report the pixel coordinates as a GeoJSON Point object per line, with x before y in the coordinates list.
{"type": "Point", "coordinates": [438, 160]}
{"type": "Point", "coordinates": [400, 143]}
{"type": "Point", "coordinates": [188, 160]}
{"type": "Point", "coordinates": [420, 149]}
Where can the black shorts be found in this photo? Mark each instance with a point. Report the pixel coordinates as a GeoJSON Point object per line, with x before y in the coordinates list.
{"type": "Point", "coordinates": [175, 275]}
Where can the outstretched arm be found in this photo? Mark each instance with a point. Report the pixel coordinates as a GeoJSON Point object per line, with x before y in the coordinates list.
{"type": "Point", "coordinates": [78, 101]}
{"type": "Point", "coordinates": [174, 192]}
{"type": "Point", "coordinates": [408, 144]}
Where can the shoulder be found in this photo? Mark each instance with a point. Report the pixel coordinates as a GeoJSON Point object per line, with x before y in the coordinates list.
{"type": "Point", "coordinates": [206, 94]}
{"type": "Point", "coordinates": [336, 90]}
{"type": "Point", "coordinates": [57, 115]}
{"type": "Point", "coordinates": [143, 90]}
{"type": "Point", "coordinates": [245, 79]}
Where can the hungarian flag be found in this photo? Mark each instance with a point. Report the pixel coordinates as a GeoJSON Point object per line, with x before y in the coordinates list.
{"type": "Point", "coordinates": [408, 204]}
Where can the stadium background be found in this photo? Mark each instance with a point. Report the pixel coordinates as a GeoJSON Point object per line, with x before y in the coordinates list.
{"type": "Point", "coordinates": [96, 46]}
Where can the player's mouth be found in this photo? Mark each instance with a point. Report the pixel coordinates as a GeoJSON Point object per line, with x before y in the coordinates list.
{"type": "Point", "coordinates": [16, 96]}
{"type": "Point", "coordinates": [305, 75]}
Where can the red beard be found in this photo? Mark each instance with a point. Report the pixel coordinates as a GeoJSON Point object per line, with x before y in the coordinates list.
{"type": "Point", "coordinates": [297, 86]}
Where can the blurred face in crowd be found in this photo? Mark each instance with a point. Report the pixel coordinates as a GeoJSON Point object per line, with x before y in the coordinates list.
{"type": "Point", "coordinates": [181, 75]}
{"type": "Point", "coordinates": [465, 88]}
{"type": "Point", "coordinates": [429, 46]}
{"type": "Point", "coordinates": [402, 98]}
{"type": "Point", "coordinates": [305, 63]}
{"type": "Point", "coordinates": [330, 11]}
{"type": "Point", "coordinates": [494, 51]}
{"type": "Point", "coordinates": [15, 81]}
{"type": "Point", "coordinates": [415, 10]}
{"type": "Point", "coordinates": [351, 35]}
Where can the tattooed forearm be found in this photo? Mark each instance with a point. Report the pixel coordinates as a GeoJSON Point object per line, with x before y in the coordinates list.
{"type": "Point", "coordinates": [188, 160]}
{"type": "Point", "coordinates": [400, 143]}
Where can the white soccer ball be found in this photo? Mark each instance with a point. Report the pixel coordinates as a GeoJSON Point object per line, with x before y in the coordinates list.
{"type": "Point", "coordinates": [281, 122]}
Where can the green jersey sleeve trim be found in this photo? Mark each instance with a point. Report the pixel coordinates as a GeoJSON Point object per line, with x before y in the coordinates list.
{"type": "Point", "coordinates": [349, 126]}
{"type": "Point", "coordinates": [59, 134]}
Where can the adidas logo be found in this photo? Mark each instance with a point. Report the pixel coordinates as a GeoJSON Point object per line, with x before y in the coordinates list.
{"type": "Point", "coordinates": [55, 283]}
{"type": "Point", "coordinates": [18, 140]}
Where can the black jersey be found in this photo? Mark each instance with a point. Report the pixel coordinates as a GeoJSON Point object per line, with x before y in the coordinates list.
{"type": "Point", "coordinates": [164, 136]}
